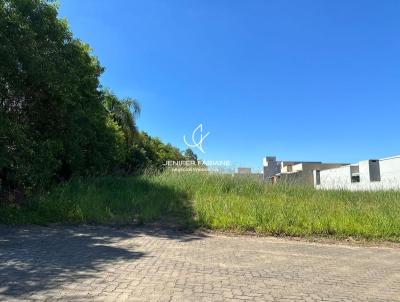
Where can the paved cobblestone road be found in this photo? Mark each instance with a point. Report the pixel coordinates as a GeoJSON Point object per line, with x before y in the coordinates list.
{"type": "Point", "coordinates": [99, 263]}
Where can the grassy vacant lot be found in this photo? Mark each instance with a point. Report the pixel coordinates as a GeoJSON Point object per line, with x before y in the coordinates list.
{"type": "Point", "coordinates": [216, 202]}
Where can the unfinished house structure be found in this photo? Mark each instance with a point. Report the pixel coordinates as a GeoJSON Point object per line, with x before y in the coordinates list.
{"type": "Point", "coordinates": [298, 172]}
{"type": "Point", "coordinates": [373, 174]}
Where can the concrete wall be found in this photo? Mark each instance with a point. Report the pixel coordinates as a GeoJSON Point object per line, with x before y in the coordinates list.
{"type": "Point", "coordinates": [298, 178]}
{"type": "Point", "coordinates": [381, 174]}
{"type": "Point", "coordinates": [335, 178]}
{"type": "Point", "coordinates": [390, 169]}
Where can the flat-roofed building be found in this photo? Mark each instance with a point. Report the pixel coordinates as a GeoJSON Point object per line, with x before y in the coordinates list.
{"type": "Point", "coordinates": [373, 174]}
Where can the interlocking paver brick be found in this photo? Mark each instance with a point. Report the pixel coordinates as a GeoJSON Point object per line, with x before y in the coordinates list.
{"type": "Point", "coordinates": [89, 263]}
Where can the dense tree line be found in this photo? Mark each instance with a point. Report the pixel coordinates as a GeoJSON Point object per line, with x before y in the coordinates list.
{"type": "Point", "coordinates": [56, 121]}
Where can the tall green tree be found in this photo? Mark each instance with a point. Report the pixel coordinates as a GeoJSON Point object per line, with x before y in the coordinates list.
{"type": "Point", "coordinates": [53, 122]}
{"type": "Point", "coordinates": [56, 121]}
{"type": "Point", "coordinates": [123, 113]}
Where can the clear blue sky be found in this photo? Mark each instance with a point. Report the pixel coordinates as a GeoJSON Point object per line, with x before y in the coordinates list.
{"type": "Point", "coordinates": [302, 80]}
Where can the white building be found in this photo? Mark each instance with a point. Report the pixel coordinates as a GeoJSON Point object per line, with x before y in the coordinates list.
{"type": "Point", "coordinates": [382, 174]}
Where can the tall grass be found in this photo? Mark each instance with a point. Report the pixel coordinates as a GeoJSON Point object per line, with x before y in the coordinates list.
{"type": "Point", "coordinates": [246, 204]}
{"type": "Point", "coordinates": [105, 200]}
{"type": "Point", "coordinates": [218, 202]}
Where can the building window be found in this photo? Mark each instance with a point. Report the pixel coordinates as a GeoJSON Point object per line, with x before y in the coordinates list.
{"type": "Point", "coordinates": [374, 170]}
{"type": "Point", "coordinates": [355, 173]}
{"type": "Point", "coordinates": [318, 177]}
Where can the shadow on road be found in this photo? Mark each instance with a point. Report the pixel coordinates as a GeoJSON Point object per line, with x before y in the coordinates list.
{"type": "Point", "coordinates": [35, 259]}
